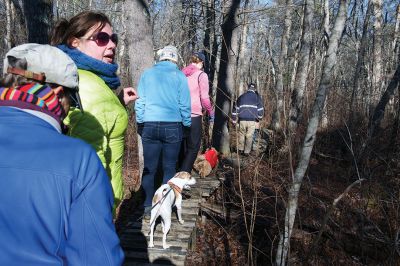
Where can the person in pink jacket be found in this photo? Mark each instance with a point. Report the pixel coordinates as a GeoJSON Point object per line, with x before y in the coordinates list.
{"type": "Point", "coordinates": [200, 100]}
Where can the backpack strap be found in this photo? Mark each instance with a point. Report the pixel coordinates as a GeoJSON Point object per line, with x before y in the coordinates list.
{"type": "Point", "coordinates": [198, 82]}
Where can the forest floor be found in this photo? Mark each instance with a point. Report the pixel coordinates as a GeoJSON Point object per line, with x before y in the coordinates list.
{"type": "Point", "coordinates": [362, 229]}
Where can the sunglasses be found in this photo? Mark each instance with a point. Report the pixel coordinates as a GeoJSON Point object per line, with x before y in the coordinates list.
{"type": "Point", "coordinates": [102, 38]}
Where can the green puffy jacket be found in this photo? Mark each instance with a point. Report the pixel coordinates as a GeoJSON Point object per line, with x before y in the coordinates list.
{"type": "Point", "coordinates": [102, 124]}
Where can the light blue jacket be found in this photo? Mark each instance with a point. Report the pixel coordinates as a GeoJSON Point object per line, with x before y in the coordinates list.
{"type": "Point", "coordinates": [163, 95]}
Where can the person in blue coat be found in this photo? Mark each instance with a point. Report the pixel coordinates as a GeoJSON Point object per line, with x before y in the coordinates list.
{"type": "Point", "coordinates": [56, 199]}
{"type": "Point", "coordinates": [163, 111]}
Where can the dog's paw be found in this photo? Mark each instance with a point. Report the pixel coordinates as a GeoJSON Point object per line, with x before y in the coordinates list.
{"type": "Point", "coordinates": [165, 246]}
{"type": "Point", "coordinates": [151, 245]}
{"type": "Point", "coordinates": [182, 221]}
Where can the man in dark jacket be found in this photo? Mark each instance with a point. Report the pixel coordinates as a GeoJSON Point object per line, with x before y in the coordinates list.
{"type": "Point", "coordinates": [56, 198]}
{"type": "Point", "coordinates": [248, 109]}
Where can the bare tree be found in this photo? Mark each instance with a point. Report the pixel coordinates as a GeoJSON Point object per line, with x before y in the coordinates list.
{"type": "Point", "coordinates": [39, 17]}
{"type": "Point", "coordinates": [278, 112]}
{"type": "Point", "coordinates": [210, 41]}
{"type": "Point", "coordinates": [226, 76]}
{"type": "Point", "coordinates": [377, 71]}
{"type": "Point", "coordinates": [360, 68]}
{"type": "Point", "coordinates": [137, 27]}
{"type": "Point", "coordinates": [379, 111]}
{"type": "Point", "coordinates": [242, 66]}
{"type": "Point", "coordinates": [396, 34]}
{"type": "Point", "coordinates": [308, 143]}
{"type": "Point", "coordinates": [7, 37]}
{"type": "Point", "coordinates": [327, 33]}
{"type": "Point", "coordinates": [302, 69]}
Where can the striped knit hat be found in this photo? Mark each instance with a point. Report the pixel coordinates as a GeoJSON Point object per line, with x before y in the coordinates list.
{"type": "Point", "coordinates": [33, 96]}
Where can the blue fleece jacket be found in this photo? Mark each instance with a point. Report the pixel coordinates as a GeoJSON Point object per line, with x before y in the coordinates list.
{"type": "Point", "coordinates": [163, 95]}
{"type": "Point", "coordinates": [56, 198]}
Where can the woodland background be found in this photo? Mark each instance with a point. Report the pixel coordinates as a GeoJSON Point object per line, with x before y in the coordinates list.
{"type": "Point", "coordinates": [326, 189]}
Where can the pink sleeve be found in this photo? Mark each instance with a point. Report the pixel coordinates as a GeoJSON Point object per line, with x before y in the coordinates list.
{"type": "Point", "coordinates": [204, 89]}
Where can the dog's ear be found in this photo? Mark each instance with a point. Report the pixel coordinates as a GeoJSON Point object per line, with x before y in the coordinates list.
{"type": "Point", "coordinates": [182, 175]}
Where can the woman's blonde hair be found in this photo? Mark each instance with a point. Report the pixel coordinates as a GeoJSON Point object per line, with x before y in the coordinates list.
{"type": "Point", "coordinates": [195, 59]}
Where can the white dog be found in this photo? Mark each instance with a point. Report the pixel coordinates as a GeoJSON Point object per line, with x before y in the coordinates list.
{"type": "Point", "coordinates": [165, 198]}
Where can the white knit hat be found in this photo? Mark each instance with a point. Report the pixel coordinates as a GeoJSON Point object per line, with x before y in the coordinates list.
{"type": "Point", "coordinates": [168, 53]}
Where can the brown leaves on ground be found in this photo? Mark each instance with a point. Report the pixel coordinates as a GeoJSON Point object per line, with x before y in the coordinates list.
{"type": "Point", "coordinates": [216, 246]}
{"type": "Point", "coordinates": [363, 229]}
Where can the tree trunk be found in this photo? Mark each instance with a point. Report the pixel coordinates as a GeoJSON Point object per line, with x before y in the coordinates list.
{"type": "Point", "coordinates": [377, 77]}
{"type": "Point", "coordinates": [360, 63]}
{"type": "Point", "coordinates": [38, 24]}
{"type": "Point", "coordinates": [396, 34]}
{"type": "Point", "coordinates": [214, 44]}
{"type": "Point", "coordinates": [278, 112]}
{"type": "Point", "coordinates": [242, 74]}
{"type": "Point", "coordinates": [380, 107]}
{"type": "Point", "coordinates": [327, 33]}
{"type": "Point", "coordinates": [136, 20]}
{"type": "Point", "coordinates": [207, 34]}
{"type": "Point", "coordinates": [308, 143]}
{"type": "Point", "coordinates": [7, 37]}
{"type": "Point", "coordinates": [302, 69]}
{"type": "Point", "coordinates": [226, 77]}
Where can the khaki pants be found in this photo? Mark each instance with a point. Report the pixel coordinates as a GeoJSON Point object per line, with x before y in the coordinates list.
{"type": "Point", "coordinates": [246, 131]}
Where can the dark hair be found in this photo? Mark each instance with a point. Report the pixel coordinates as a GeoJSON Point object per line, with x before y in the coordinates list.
{"type": "Point", "coordinates": [64, 31]}
{"type": "Point", "coordinates": [12, 80]}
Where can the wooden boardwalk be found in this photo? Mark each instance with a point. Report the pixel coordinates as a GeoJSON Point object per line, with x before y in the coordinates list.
{"type": "Point", "coordinates": [135, 237]}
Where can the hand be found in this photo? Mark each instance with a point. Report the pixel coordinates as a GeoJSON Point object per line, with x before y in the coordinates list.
{"type": "Point", "coordinates": [129, 95]}
{"type": "Point", "coordinates": [140, 127]}
{"type": "Point", "coordinates": [257, 125]}
{"type": "Point", "coordinates": [235, 123]}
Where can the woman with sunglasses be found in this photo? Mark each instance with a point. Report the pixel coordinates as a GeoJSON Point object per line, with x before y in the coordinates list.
{"type": "Point", "coordinates": [89, 40]}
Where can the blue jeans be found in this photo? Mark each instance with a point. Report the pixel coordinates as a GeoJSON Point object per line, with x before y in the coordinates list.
{"type": "Point", "coordinates": [159, 138]}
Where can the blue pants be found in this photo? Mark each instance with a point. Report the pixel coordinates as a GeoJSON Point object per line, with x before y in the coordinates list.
{"type": "Point", "coordinates": [159, 138]}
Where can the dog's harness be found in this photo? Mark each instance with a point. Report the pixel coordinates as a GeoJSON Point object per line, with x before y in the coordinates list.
{"type": "Point", "coordinates": [175, 188]}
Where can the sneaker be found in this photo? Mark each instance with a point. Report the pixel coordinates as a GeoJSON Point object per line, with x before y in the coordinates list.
{"type": "Point", "coordinates": [187, 187]}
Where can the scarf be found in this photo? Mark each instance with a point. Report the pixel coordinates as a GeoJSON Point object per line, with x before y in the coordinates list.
{"type": "Point", "coordinates": [106, 72]}
{"type": "Point", "coordinates": [33, 96]}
